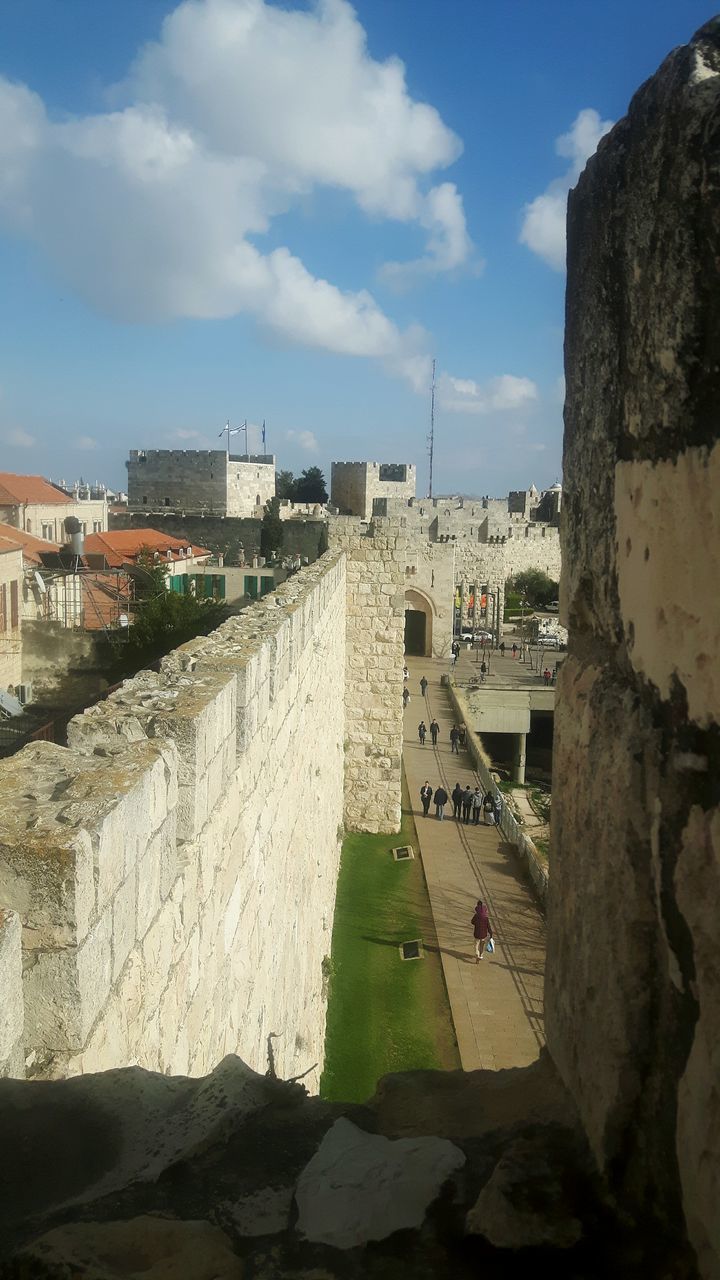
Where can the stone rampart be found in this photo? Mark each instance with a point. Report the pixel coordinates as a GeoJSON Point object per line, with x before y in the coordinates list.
{"type": "Point", "coordinates": [632, 979]}
{"type": "Point", "coordinates": [376, 561]}
{"type": "Point", "coordinates": [175, 867]}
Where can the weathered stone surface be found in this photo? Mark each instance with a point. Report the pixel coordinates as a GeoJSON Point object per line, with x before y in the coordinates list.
{"type": "Point", "coordinates": [143, 1248]}
{"type": "Point", "coordinates": [12, 1058]}
{"type": "Point", "coordinates": [524, 1204]}
{"type": "Point", "coordinates": [361, 1187]}
{"type": "Point", "coordinates": [632, 978]}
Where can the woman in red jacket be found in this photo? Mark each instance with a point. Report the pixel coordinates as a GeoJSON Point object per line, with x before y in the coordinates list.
{"type": "Point", "coordinates": [481, 929]}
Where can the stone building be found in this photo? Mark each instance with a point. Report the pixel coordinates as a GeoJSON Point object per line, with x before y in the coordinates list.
{"type": "Point", "coordinates": [200, 481]}
{"type": "Point", "coordinates": [11, 580]}
{"type": "Point", "coordinates": [40, 508]}
{"type": "Point", "coordinates": [355, 486]}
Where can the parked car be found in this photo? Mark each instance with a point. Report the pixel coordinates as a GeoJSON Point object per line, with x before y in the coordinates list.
{"type": "Point", "coordinates": [467, 634]}
{"type": "Point", "coordinates": [553, 606]}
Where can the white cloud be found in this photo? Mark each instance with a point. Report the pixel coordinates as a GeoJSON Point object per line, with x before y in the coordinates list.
{"type": "Point", "coordinates": [463, 395]}
{"type": "Point", "coordinates": [18, 438]}
{"type": "Point", "coordinates": [305, 439]}
{"type": "Point", "coordinates": [543, 228]}
{"type": "Point", "coordinates": [151, 210]}
{"type": "Point", "coordinates": [449, 245]}
{"type": "Point", "coordinates": [84, 443]}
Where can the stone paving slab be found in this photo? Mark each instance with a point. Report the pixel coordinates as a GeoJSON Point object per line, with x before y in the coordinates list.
{"type": "Point", "coordinates": [497, 1005]}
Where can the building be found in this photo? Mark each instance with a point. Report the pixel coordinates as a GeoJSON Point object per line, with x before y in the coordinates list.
{"type": "Point", "coordinates": [11, 577]}
{"type": "Point", "coordinates": [34, 505]}
{"type": "Point", "coordinates": [200, 482]}
{"type": "Point", "coordinates": [355, 486]}
{"type": "Point", "coordinates": [182, 562]}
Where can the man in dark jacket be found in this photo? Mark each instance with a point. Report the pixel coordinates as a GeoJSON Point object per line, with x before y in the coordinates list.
{"type": "Point", "coordinates": [467, 799]}
{"type": "Point", "coordinates": [454, 739]}
{"type": "Point", "coordinates": [434, 731]}
{"type": "Point", "coordinates": [426, 796]}
{"type": "Point", "coordinates": [457, 795]}
{"type": "Point", "coordinates": [440, 800]}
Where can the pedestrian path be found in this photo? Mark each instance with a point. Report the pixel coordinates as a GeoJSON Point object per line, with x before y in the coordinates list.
{"type": "Point", "coordinates": [497, 1005]}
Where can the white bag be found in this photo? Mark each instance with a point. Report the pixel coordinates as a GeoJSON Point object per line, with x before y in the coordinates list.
{"type": "Point", "coordinates": [490, 948]}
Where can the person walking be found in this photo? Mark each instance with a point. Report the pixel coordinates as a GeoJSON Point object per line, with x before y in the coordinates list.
{"type": "Point", "coordinates": [426, 797]}
{"type": "Point", "coordinates": [440, 799]}
{"type": "Point", "coordinates": [514, 651]}
{"type": "Point", "coordinates": [476, 805]}
{"type": "Point", "coordinates": [421, 732]}
{"type": "Point", "coordinates": [406, 674]}
{"type": "Point", "coordinates": [481, 929]}
{"type": "Point", "coordinates": [463, 734]}
{"type": "Point", "coordinates": [502, 648]}
{"type": "Point", "coordinates": [457, 796]}
{"type": "Point", "coordinates": [546, 675]}
{"type": "Point", "coordinates": [483, 671]}
{"type": "Point", "coordinates": [453, 658]}
{"type": "Point", "coordinates": [423, 686]}
{"type": "Point", "coordinates": [489, 810]}
{"type": "Point", "coordinates": [406, 696]}
{"type": "Point", "coordinates": [434, 731]}
{"type": "Point", "coordinates": [455, 740]}
{"type": "Point", "coordinates": [467, 799]}
{"type": "Point", "coordinates": [497, 810]}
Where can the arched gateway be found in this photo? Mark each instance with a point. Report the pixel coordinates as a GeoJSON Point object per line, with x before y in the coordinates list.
{"type": "Point", "coordinates": [418, 624]}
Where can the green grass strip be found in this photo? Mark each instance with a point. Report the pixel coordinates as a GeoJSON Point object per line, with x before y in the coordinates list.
{"type": "Point", "coordinates": [384, 1014]}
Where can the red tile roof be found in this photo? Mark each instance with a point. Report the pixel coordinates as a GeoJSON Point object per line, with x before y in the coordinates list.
{"type": "Point", "coordinates": [123, 546]}
{"type": "Point", "coordinates": [105, 597]}
{"type": "Point", "coordinates": [31, 546]}
{"type": "Point", "coordinates": [15, 490]}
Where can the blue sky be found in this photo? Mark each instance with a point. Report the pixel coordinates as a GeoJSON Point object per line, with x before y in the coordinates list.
{"type": "Point", "coordinates": [233, 208]}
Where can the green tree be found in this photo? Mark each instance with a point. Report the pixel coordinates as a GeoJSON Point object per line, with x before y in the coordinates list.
{"type": "Point", "coordinates": [535, 586]}
{"type": "Point", "coordinates": [272, 533]}
{"type": "Point", "coordinates": [285, 485]}
{"type": "Point", "coordinates": [310, 486]}
{"type": "Point", "coordinates": [162, 619]}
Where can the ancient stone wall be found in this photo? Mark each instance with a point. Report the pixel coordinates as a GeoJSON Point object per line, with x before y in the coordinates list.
{"type": "Point", "coordinates": [633, 982]}
{"type": "Point", "coordinates": [354, 486]}
{"type": "Point", "coordinates": [376, 560]}
{"type": "Point", "coordinates": [249, 486]}
{"type": "Point", "coordinates": [199, 480]}
{"type": "Point", "coordinates": [229, 536]}
{"type": "Point", "coordinates": [175, 868]}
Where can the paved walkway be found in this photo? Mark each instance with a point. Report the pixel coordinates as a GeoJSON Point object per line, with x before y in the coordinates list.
{"type": "Point", "coordinates": [497, 1005]}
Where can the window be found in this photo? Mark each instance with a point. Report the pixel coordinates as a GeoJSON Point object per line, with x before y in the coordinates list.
{"type": "Point", "coordinates": [97, 526]}
{"type": "Point", "coordinates": [3, 607]}
{"type": "Point", "coordinates": [167, 502]}
{"type": "Point", "coordinates": [144, 499]}
{"type": "Point", "coordinates": [28, 526]}
{"type": "Point", "coordinates": [47, 532]}
{"type": "Point", "coordinates": [251, 586]}
{"type": "Point", "coordinates": [83, 526]}
{"type": "Point", "coordinates": [14, 607]}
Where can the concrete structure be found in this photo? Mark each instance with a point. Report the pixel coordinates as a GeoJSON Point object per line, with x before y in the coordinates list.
{"type": "Point", "coordinates": [508, 710]}
{"type": "Point", "coordinates": [40, 508]}
{"type": "Point", "coordinates": [198, 481]}
{"type": "Point", "coordinates": [355, 487]}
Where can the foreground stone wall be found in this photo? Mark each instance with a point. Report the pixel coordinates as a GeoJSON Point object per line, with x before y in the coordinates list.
{"type": "Point", "coordinates": [175, 868]}
{"type": "Point", "coordinates": [12, 1057]}
{"type": "Point", "coordinates": [376, 560]}
{"type": "Point", "coordinates": [634, 898]}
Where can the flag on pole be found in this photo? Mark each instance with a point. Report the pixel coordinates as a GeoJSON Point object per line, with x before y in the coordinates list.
{"type": "Point", "coordinates": [263, 435]}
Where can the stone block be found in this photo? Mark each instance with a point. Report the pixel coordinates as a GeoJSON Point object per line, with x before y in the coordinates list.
{"type": "Point", "coordinates": [124, 924]}
{"type": "Point", "coordinates": [94, 972]}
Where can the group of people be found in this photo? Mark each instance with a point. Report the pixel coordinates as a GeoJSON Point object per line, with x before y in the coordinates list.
{"type": "Point", "coordinates": [468, 804]}
{"type": "Point", "coordinates": [434, 731]}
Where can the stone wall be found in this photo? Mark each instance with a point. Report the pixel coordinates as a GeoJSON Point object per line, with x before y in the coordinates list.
{"type": "Point", "coordinates": [634, 897]}
{"type": "Point", "coordinates": [354, 486]}
{"type": "Point", "coordinates": [227, 535]}
{"type": "Point", "coordinates": [11, 587]}
{"type": "Point", "coordinates": [175, 867]}
{"type": "Point", "coordinates": [250, 485]}
{"type": "Point", "coordinates": [12, 1057]}
{"type": "Point", "coordinates": [376, 559]}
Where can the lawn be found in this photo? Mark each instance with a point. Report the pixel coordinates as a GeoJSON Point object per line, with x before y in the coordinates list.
{"type": "Point", "coordinates": [384, 1014]}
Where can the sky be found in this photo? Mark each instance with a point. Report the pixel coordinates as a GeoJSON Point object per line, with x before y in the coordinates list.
{"type": "Point", "coordinates": [250, 211]}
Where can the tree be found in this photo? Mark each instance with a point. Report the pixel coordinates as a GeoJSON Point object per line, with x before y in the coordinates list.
{"type": "Point", "coordinates": [310, 486]}
{"type": "Point", "coordinates": [272, 533]}
{"type": "Point", "coordinates": [536, 587]}
{"type": "Point", "coordinates": [285, 485]}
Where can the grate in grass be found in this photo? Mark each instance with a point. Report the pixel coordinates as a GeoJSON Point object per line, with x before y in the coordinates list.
{"type": "Point", "coordinates": [411, 950]}
{"type": "Point", "coordinates": [402, 852]}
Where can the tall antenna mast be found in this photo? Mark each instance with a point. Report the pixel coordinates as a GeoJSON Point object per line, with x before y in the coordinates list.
{"type": "Point", "coordinates": [431, 437]}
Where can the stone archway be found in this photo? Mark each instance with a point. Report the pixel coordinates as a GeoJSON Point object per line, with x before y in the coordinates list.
{"type": "Point", "coordinates": [418, 624]}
